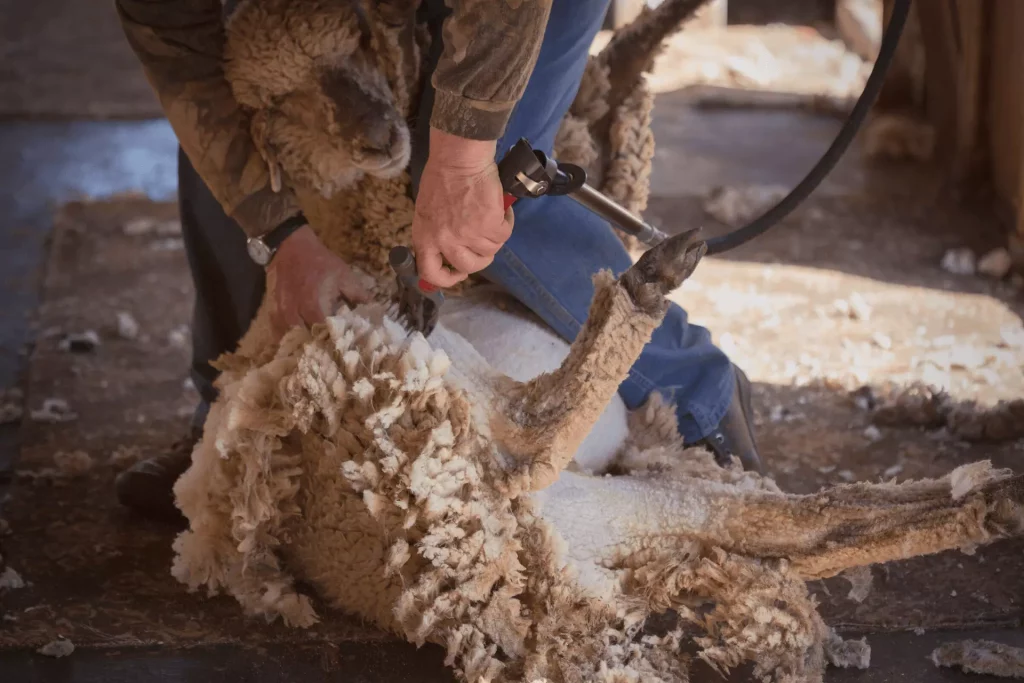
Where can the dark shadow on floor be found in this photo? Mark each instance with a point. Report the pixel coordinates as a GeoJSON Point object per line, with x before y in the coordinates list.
{"type": "Point", "coordinates": [896, 658]}
{"type": "Point", "coordinates": [43, 165]}
{"type": "Point", "coordinates": [315, 663]}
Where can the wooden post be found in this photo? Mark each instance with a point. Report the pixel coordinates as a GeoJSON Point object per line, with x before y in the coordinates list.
{"type": "Point", "coordinates": [1015, 243]}
{"type": "Point", "coordinates": [939, 73]}
{"type": "Point", "coordinates": [971, 72]}
{"type": "Point", "coordinates": [1004, 114]}
{"type": "Point", "coordinates": [904, 84]}
{"type": "Point", "coordinates": [942, 53]}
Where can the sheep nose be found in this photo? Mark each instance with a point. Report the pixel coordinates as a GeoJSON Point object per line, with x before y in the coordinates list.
{"type": "Point", "coordinates": [379, 139]}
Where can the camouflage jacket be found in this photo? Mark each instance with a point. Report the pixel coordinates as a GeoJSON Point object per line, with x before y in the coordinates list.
{"type": "Point", "coordinates": [490, 48]}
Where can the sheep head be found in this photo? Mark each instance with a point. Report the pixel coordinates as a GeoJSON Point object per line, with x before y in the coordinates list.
{"type": "Point", "coordinates": [328, 85]}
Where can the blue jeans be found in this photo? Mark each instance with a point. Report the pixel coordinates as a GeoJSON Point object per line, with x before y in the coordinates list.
{"type": "Point", "coordinates": [557, 245]}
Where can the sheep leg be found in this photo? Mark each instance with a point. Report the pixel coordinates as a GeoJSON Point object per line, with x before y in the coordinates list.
{"type": "Point", "coordinates": [632, 50]}
{"type": "Point", "coordinates": [866, 524]}
{"type": "Point", "coordinates": [631, 521]}
{"type": "Point", "coordinates": [544, 421]}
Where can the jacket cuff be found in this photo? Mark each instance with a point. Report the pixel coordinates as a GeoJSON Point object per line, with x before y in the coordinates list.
{"type": "Point", "coordinates": [470, 119]}
{"type": "Point", "coordinates": [264, 210]}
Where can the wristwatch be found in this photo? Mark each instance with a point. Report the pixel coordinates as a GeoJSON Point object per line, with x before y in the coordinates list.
{"type": "Point", "coordinates": [261, 249]}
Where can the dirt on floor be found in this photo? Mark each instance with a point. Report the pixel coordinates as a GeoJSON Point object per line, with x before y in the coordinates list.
{"type": "Point", "coordinates": [116, 275]}
{"type": "Point", "coordinates": [69, 59]}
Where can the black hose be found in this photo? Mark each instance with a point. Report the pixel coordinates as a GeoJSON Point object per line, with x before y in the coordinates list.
{"type": "Point", "coordinates": [717, 245]}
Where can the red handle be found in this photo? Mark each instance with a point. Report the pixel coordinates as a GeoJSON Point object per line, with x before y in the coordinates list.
{"type": "Point", "coordinates": [509, 201]}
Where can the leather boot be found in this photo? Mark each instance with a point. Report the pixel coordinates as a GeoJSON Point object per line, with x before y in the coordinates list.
{"type": "Point", "coordinates": [147, 487]}
{"type": "Point", "coordinates": [735, 433]}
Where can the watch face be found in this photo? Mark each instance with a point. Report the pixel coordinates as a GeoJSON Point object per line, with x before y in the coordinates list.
{"type": "Point", "coordinates": [259, 251]}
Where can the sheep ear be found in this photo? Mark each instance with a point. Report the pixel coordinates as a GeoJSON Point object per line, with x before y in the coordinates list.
{"type": "Point", "coordinates": [275, 176]}
{"type": "Point", "coordinates": [259, 129]}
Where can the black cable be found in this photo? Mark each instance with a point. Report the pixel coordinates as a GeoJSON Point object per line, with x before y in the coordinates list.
{"type": "Point", "coordinates": [886, 51]}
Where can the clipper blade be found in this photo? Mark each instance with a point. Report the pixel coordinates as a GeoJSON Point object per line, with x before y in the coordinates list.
{"type": "Point", "coordinates": [417, 310]}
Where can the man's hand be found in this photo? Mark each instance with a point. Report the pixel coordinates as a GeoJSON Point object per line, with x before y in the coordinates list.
{"type": "Point", "coordinates": [310, 282]}
{"type": "Point", "coordinates": [460, 218]}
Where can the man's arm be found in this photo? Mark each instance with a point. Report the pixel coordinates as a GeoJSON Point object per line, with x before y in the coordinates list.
{"type": "Point", "coordinates": [490, 50]}
{"type": "Point", "coordinates": [180, 44]}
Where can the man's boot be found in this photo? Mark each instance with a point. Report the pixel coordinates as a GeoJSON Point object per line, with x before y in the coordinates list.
{"type": "Point", "coordinates": [735, 433]}
{"type": "Point", "coordinates": [147, 487]}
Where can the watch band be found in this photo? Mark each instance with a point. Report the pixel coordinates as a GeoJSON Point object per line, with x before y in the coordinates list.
{"type": "Point", "coordinates": [262, 249]}
{"type": "Point", "coordinates": [275, 237]}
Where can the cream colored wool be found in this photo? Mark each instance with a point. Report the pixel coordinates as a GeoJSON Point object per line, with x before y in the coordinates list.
{"type": "Point", "coordinates": [357, 462]}
{"type": "Point", "coordinates": [412, 484]}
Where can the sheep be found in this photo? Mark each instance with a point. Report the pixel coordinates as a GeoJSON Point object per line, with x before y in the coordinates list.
{"type": "Point", "coordinates": [410, 483]}
{"type": "Point", "coordinates": [464, 500]}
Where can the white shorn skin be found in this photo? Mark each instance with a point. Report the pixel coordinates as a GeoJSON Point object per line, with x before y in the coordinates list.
{"type": "Point", "coordinates": [514, 341]}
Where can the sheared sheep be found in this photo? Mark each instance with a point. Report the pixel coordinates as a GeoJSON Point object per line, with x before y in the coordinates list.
{"type": "Point", "coordinates": [416, 484]}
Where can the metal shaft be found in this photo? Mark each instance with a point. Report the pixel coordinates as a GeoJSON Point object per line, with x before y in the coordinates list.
{"type": "Point", "coordinates": [402, 261]}
{"type": "Point", "coordinates": [617, 215]}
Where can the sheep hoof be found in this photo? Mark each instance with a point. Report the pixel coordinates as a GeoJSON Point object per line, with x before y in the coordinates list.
{"type": "Point", "coordinates": [663, 268]}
